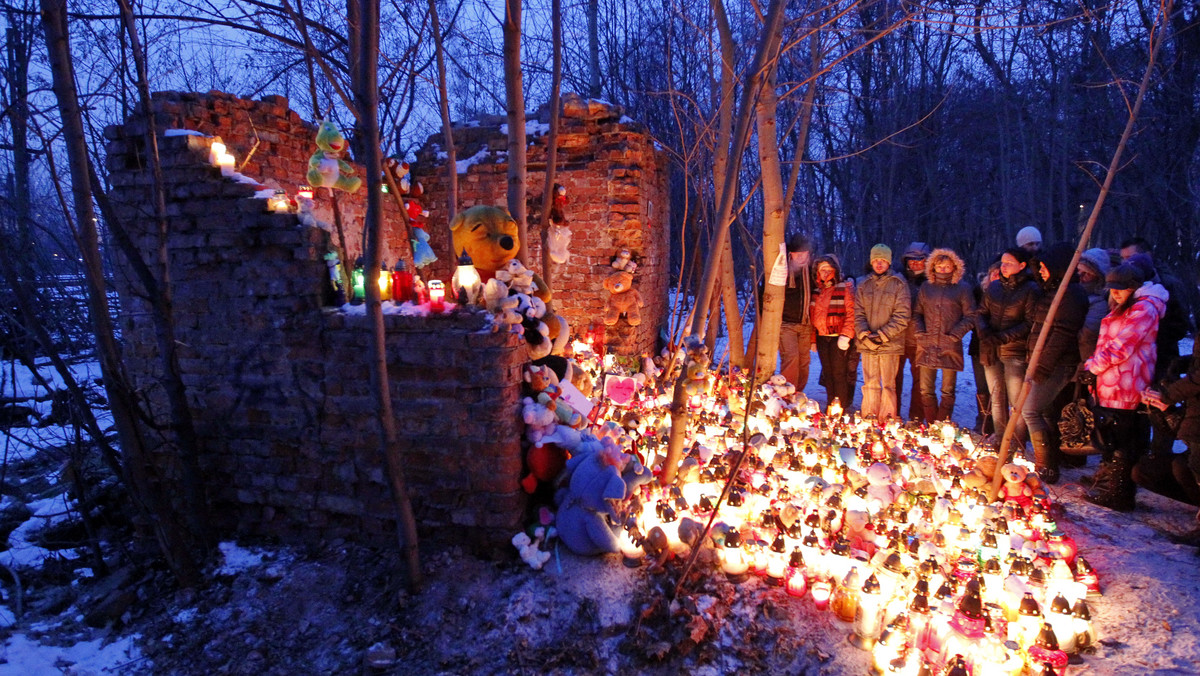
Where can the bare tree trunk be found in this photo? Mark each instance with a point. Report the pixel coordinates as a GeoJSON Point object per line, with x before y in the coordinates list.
{"type": "Point", "coordinates": [593, 29]}
{"type": "Point", "coordinates": [725, 98]}
{"type": "Point", "coordinates": [447, 130]}
{"type": "Point", "coordinates": [760, 72]}
{"type": "Point", "coordinates": [367, 95]}
{"type": "Point", "coordinates": [774, 228]}
{"type": "Point", "coordinates": [182, 423]}
{"type": "Point", "coordinates": [515, 101]}
{"type": "Point", "coordinates": [552, 140]}
{"type": "Point", "coordinates": [1156, 38]}
{"type": "Point", "coordinates": [121, 401]}
{"type": "Point", "coordinates": [733, 311]}
{"type": "Point", "coordinates": [19, 45]}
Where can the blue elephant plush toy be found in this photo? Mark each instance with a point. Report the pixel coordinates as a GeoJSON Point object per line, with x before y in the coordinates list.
{"type": "Point", "coordinates": [598, 477]}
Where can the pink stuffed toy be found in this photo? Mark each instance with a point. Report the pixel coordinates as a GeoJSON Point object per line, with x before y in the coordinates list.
{"type": "Point", "coordinates": [1015, 489]}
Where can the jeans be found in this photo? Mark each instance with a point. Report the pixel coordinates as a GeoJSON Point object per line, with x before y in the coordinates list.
{"type": "Point", "coordinates": [1004, 380]}
{"type": "Point", "coordinates": [929, 401]}
{"type": "Point", "coordinates": [1038, 410]}
{"type": "Point", "coordinates": [839, 370]}
{"type": "Point", "coordinates": [879, 384]}
{"type": "Point", "coordinates": [915, 407]}
{"type": "Point", "coordinates": [795, 345]}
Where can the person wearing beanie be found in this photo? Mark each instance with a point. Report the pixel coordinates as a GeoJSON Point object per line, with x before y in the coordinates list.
{"type": "Point", "coordinates": [1058, 360]}
{"type": "Point", "coordinates": [882, 308]}
{"type": "Point", "coordinates": [1003, 327]}
{"type": "Point", "coordinates": [1093, 266]}
{"type": "Point", "coordinates": [1124, 367]}
{"type": "Point", "coordinates": [796, 330]}
{"type": "Point", "coordinates": [943, 314]}
{"type": "Point", "coordinates": [1029, 238]}
{"type": "Point", "coordinates": [915, 273]}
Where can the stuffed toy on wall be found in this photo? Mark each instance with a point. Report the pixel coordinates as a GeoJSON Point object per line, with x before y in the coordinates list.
{"type": "Point", "coordinates": [623, 299]}
{"type": "Point", "coordinates": [560, 234]}
{"type": "Point", "coordinates": [489, 235]}
{"type": "Point", "coordinates": [326, 168]}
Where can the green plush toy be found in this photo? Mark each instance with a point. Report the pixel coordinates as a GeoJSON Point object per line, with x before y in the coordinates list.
{"type": "Point", "coordinates": [326, 168]}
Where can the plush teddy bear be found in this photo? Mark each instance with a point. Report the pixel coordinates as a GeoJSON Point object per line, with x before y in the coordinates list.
{"type": "Point", "coordinates": [502, 306]}
{"type": "Point", "coordinates": [623, 299]}
{"type": "Point", "coordinates": [518, 277]}
{"type": "Point", "coordinates": [326, 168]}
{"type": "Point", "coordinates": [530, 549]}
{"type": "Point", "coordinates": [1015, 489]}
{"type": "Point", "coordinates": [539, 420]}
{"type": "Point", "coordinates": [537, 333]}
{"type": "Point", "coordinates": [621, 259]}
{"type": "Point", "coordinates": [489, 235]}
{"type": "Point", "coordinates": [600, 477]}
{"type": "Point", "coordinates": [543, 384]}
{"type": "Point", "coordinates": [880, 489]}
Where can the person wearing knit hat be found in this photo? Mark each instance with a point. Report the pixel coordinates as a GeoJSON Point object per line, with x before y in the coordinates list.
{"type": "Point", "coordinates": [1029, 238]}
{"type": "Point", "coordinates": [796, 329]}
{"type": "Point", "coordinates": [882, 308]}
{"type": "Point", "coordinates": [1093, 266]}
{"type": "Point", "coordinates": [913, 269]}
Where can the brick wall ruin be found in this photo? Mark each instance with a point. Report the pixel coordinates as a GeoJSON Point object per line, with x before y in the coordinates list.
{"type": "Point", "coordinates": [278, 381]}
{"type": "Point", "coordinates": [616, 181]}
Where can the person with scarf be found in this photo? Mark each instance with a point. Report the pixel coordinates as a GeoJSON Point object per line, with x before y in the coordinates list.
{"type": "Point", "coordinates": [943, 314]}
{"type": "Point", "coordinates": [832, 315]}
{"type": "Point", "coordinates": [1124, 367]}
{"type": "Point", "coordinates": [1003, 326]}
{"type": "Point", "coordinates": [796, 331]}
{"type": "Point", "coordinates": [1059, 358]}
{"type": "Point", "coordinates": [882, 308]}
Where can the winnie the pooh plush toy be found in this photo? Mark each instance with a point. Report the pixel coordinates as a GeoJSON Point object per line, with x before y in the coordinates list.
{"type": "Point", "coordinates": [489, 235]}
{"type": "Point", "coordinates": [623, 299]}
{"type": "Point", "coordinates": [326, 168]}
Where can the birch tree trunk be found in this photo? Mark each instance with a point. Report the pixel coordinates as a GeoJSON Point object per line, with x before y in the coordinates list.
{"type": "Point", "coordinates": [774, 227]}
{"type": "Point", "coordinates": [367, 96]}
{"type": "Point", "coordinates": [760, 72]}
{"type": "Point", "coordinates": [515, 101]}
{"type": "Point", "coordinates": [725, 98]}
{"type": "Point", "coordinates": [167, 531]}
{"type": "Point", "coordinates": [552, 140]}
{"type": "Point", "coordinates": [447, 130]}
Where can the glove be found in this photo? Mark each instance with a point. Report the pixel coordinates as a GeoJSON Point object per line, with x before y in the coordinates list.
{"type": "Point", "coordinates": [1087, 379]}
{"type": "Point", "coordinates": [843, 343]}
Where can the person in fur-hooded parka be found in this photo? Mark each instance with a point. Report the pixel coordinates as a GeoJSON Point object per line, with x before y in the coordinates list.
{"type": "Point", "coordinates": [944, 313]}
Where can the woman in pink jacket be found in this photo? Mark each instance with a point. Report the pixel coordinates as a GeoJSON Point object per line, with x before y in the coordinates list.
{"type": "Point", "coordinates": [1124, 366]}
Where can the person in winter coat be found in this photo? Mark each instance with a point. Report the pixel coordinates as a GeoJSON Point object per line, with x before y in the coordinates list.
{"type": "Point", "coordinates": [796, 331]}
{"type": "Point", "coordinates": [1184, 390]}
{"type": "Point", "coordinates": [1124, 366]}
{"type": "Point", "coordinates": [1003, 326]}
{"type": "Point", "coordinates": [983, 399]}
{"type": "Point", "coordinates": [1093, 266]}
{"type": "Point", "coordinates": [1058, 360]}
{"type": "Point", "coordinates": [943, 314]}
{"type": "Point", "coordinates": [881, 312]}
{"type": "Point", "coordinates": [832, 314]}
{"type": "Point", "coordinates": [915, 269]}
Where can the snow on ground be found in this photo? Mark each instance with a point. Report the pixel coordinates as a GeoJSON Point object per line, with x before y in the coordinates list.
{"type": "Point", "coordinates": [24, 656]}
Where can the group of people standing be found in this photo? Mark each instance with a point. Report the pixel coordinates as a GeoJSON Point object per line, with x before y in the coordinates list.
{"type": "Point", "coordinates": [1115, 335]}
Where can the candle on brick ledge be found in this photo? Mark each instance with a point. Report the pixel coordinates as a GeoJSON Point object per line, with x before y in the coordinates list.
{"type": "Point", "coordinates": [437, 296]}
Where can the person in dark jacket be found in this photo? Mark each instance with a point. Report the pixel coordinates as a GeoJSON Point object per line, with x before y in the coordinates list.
{"type": "Point", "coordinates": [943, 315]}
{"type": "Point", "coordinates": [832, 314]}
{"type": "Point", "coordinates": [916, 271]}
{"type": "Point", "coordinates": [881, 313]}
{"type": "Point", "coordinates": [983, 400]}
{"type": "Point", "coordinates": [796, 331]}
{"type": "Point", "coordinates": [1058, 360]}
{"type": "Point", "coordinates": [1003, 326]}
{"type": "Point", "coordinates": [1185, 390]}
{"type": "Point", "coordinates": [1093, 266]}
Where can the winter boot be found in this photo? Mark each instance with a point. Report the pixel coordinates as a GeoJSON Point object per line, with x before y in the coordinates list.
{"type": "Point", "coordinates": [1045, 460]}
{"type": "Point", "coordinates": [983, 418]}
{"type": "Point", "coordinates": [929, 409]}
{"type": "Point", "coordinates": [946, 410]}
{"type": "Point", "coordinates": [1119, 493]}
